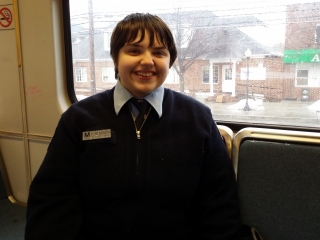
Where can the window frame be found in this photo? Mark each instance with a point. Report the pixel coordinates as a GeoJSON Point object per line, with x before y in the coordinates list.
{"type": "Point", "coordinates": [83, 74]}
{"type": "Point", "coordinates": [302, 78]}
{"type": "Point", "coordinates": [317, 34]}
{"type": "Point", "coordinates": [205, 74]}
{"type": "Point", "coordinates": [228, 74]}
{"type": "Point", "coordinates": [215, 74]}
{"type": "Point", "coordinates": [68, 50]}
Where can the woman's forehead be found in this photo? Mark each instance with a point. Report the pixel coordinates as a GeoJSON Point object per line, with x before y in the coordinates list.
{"type": "Point", "coordinates": [139, 38]}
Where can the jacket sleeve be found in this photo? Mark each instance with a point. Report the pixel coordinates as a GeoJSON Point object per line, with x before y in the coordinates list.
{"type": "Point", "coordinates": [54, 209]}
{"type": "Point", "coordinates": [216, 205]}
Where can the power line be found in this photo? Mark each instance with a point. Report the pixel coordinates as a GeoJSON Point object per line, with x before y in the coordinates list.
{"type": "Point", "coordinates": [269, 21]}
{"type": "Point", "coordinates": [219, 8]}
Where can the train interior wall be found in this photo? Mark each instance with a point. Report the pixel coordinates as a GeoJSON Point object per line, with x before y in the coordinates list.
{"type": "Point", "coordinates": [33, 93]}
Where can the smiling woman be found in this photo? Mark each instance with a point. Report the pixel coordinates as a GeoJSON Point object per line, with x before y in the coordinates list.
{"type": "Point", "coordinates": [148, 176]}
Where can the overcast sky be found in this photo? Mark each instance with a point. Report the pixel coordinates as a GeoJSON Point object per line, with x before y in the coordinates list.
{"type": "Point", "coordinates": [224, 7]}
{"type": "Point", "coordinates": [272, 12]}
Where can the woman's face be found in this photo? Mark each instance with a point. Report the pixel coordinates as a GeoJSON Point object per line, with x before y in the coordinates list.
{"type": "Point", "coordinates": [143, 69]}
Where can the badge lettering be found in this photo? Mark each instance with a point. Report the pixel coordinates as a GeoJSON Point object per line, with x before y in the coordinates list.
{"type": "Point", "coordinates": [98, 134]}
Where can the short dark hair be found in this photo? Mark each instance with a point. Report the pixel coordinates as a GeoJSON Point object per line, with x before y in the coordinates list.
{"type": "Point", "coordinates": [128, 29]}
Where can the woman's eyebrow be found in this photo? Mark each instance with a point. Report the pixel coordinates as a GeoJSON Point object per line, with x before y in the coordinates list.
{"type": "Point", "coordinates": [137, 44]}
{"type": "Point", "coordinates": [133, 44]}
{"type": "Point", "coordinates": [162, 47]}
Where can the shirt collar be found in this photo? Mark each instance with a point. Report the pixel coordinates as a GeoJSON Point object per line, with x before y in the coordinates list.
{"type": "Point", "coordinates": [122, 95]}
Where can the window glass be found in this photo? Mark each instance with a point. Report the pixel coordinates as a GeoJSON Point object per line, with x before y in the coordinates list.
{"type": "Point", "coordinates": [215, 77]}
{"type": "Point", "coordinates": [108, 74]}
{"type": "Point", "coordinates": [228, 74]}
{"type": "Point", "coordinates": [80, 74]}
{"type": "Point", "coordinates": [317, 34]}
{"type": "Point", "coordinates": [205, 74]}
{"type": "Point", "coordinates": [232, 52]}
{"type": "Point", "coordinates": [172, 77]}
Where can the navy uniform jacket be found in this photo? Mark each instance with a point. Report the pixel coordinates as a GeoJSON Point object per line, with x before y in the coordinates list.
{"type": "Point", "coordinates": [176, 182]}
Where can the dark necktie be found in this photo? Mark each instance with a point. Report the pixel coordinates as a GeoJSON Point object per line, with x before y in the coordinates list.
{"type": "Point", "coordinates": [143, 107]}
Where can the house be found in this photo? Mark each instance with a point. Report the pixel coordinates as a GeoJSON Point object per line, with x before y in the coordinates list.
{"type": "Point", "coordinates": [217, 67]}
{"type": "Point", "coordinates": [302, 51]}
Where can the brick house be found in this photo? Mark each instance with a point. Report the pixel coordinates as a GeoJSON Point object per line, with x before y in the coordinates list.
{"type": "Point", "coordinates": [302, 51]}
{"type": "Point", "coordinates": [294, 76]}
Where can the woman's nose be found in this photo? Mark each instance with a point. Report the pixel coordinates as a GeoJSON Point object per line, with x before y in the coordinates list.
{"type": "Point", "coordinates": [147, 58]}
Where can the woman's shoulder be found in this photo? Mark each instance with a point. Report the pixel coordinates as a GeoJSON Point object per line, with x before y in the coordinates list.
{"type": "Point", "coordinates": [92, 104]}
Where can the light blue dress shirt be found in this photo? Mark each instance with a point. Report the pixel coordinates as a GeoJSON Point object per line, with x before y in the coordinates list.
{"type": "Point", "coordinates": [122, 95]}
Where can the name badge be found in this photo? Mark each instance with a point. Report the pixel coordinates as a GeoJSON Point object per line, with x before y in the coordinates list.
{"type": "Point", "coordinates": [98, 134]}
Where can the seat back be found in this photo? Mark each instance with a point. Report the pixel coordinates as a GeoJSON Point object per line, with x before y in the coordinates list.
{"type": "Point", "coordinates": [278, 177]}
{"type": "Point", "coordinates": [227, 135]}
{"type": "Point", "coordinates": [3, 193]}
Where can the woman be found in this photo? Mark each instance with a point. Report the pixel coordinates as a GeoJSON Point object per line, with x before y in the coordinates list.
{"type": "Point", "coordinates": [108, 176]}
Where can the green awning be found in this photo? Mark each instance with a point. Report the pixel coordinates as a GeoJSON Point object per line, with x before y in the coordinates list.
{"type": "Point", "coordinates": [301, 56]}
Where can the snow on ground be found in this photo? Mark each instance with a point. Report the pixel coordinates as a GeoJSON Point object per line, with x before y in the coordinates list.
{"type": "Point", "coordinates": [315, 106]}
{"type": "Point", "coordinates": [253, 105]}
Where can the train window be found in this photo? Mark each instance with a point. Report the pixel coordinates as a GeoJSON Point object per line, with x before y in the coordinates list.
{"type": "Point", "coordinates": [252, 62]}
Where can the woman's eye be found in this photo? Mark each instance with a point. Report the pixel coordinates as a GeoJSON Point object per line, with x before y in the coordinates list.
{"type": "Point", "coordinates": [134, 51]}
{"type": "Point", "coordinates": [160, 53]}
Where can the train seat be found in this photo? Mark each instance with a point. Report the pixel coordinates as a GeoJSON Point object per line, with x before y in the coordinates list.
{"type": "Point", "coordinates": [278, 178]}
{"type": "Point", "coordinates": [227, 135]}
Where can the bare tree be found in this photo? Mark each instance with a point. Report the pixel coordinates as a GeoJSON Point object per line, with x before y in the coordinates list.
{"type": "Point", "coordinates": [195, 37]}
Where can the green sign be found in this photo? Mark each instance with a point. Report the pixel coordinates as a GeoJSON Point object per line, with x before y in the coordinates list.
{"type": "Point", "coordinates": [302, 56]}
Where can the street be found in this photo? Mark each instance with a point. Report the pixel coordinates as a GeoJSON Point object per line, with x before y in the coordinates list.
{"type": "Point", "coordinates": [285, 112]}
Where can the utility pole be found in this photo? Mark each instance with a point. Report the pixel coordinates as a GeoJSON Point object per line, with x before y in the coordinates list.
{"type": "Point", "coordinates": [91, 49]}
{"type": "Point", "coordinates": [248, 55]}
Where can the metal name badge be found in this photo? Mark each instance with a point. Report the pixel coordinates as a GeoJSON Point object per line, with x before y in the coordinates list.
{"type": "Point", "coordinates": [98, 134]}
